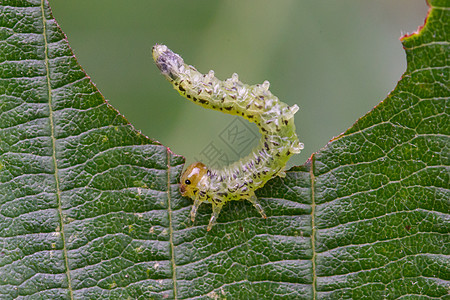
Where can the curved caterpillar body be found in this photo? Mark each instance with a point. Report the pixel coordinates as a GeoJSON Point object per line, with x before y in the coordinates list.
{"type": "Point", "coordinates": [255, 103]}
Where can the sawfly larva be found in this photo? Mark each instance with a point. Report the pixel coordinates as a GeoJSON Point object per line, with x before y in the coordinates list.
{"type": "Point", "coordinates": [255, 103]}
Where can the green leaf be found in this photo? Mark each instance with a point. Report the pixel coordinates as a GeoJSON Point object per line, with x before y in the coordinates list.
{"type": "Point", "coordinates": [90, 208]}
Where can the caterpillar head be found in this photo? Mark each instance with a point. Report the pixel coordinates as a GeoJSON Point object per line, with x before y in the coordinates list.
{"type": "Point", "coordinates": [191, 178]}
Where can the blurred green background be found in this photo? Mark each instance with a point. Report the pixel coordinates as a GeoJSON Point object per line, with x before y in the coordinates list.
{"type": "Point", "coordinates": [334, 59]}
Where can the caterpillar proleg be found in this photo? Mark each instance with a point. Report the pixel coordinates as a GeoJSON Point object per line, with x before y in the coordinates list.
{"type": "Point", "coordinates": [255, 103]}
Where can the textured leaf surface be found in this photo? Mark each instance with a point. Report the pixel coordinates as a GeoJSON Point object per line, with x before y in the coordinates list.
{"type": "Point", "coordinates": [90, 208]}
{"type": "Point", "coordinates": [85, 208]}
{"type": "Point", "coordinates": [381, 189]}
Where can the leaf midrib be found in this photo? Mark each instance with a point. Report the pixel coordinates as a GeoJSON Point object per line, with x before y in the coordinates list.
{"type": "Point", "coordinates": [53, 139]}
{"type": "Point", "coordinates": [172, 246]}
{"type": "Point", "coordinates": [313, 227]}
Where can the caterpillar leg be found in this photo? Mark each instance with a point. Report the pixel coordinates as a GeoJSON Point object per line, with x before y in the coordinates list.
{"type": "Point", "coordinates": [254, 200]}
{"type": "Point", "coordinates": [282, 172]}
{"type": "Point", "coordinates": [215, 215]}
{"type": "Point", "coordinates": [194, 209]}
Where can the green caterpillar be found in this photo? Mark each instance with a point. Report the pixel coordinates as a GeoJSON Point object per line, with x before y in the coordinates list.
{"type": "Point", "coordinates": [255, 103]}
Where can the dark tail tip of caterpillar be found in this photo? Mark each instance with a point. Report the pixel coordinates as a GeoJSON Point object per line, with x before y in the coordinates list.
{"type": "Point", "coordinates": [167, 61]}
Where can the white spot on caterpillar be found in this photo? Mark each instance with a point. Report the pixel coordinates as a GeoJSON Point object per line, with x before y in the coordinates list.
{"type": "Point", "coordinates": [235, 78]}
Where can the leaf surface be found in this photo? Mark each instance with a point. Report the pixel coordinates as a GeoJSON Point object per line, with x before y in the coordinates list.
{"type": "Point", "coordinates": [90, 208]}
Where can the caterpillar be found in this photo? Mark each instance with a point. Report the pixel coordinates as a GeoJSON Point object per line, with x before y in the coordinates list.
{"type": "Point", "coordinates": [255, 103]}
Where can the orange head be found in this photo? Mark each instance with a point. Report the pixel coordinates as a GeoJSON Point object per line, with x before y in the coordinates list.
{"type": "Point", "coordinates": [191, 178]}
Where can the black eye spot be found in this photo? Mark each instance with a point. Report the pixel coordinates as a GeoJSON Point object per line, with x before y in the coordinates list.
{"type": "Point", "coordinates": [187, 181]}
